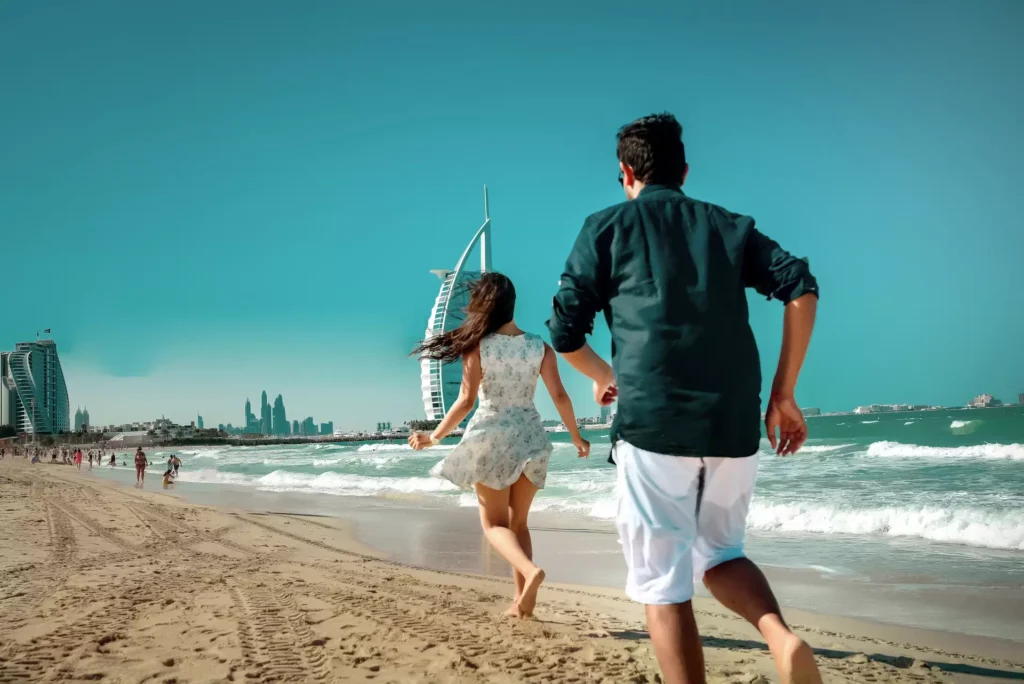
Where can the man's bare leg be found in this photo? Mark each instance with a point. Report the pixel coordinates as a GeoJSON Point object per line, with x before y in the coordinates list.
{"type": "Point", "coordinates": [676, 642]}
{"type": "Point", "coordinates": [740, 586]}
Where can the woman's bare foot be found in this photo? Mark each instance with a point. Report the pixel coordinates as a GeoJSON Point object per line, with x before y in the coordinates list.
{"type": "Point", "coordinates": [513, 610]}
{"type": "Point", "coordinates": [795, 661]}
{"type": "Point", "coordinates": [528, 599]}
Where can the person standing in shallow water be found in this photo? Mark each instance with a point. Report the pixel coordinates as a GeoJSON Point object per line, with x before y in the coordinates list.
{"type": "Point", "coordinates": [669, 273]}
{"type": "Point", "coordinates": [504, 451]}
{"type": "Point", "coordinates": [140, 467]}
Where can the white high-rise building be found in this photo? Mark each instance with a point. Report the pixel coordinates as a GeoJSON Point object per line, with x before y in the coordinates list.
{"type": "Point", "coordinates": [441, 382]}
{"type": "Point", "coordinates": [33, 393]}
{"type": "Point", "coordinates": [7, 393]}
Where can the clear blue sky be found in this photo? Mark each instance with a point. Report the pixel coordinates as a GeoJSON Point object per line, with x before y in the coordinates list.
{"type": "Point", "coordinates": [208, 199]}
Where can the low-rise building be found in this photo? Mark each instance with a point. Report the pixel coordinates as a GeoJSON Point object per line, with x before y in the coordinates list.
{"type": "Point", "coordinates": [984, 401]}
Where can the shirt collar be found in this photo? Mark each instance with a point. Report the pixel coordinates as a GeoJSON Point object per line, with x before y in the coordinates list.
{"type": "Point", "coordinates": [657, 187]}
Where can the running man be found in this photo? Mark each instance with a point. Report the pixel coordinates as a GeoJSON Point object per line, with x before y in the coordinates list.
{"type": "Point", "coordinates": [140, 467]}
{"type": "Point", "coordinates": [669, 273]}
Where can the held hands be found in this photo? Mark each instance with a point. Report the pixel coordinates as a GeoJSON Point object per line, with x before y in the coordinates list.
{"type": "Point", "coordinates": [582, 447]}
{"type": "Point", "coordinates": [420, 441]}
{"type": "Point", "coordinates": [605, 391]}
{"type": "Point", "coordinates": [784, 414]}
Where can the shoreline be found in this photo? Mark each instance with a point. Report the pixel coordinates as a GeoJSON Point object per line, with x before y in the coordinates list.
{"type": "Point", "coordinates": [914, 589]}
{"type": "Point", "coordinates": [99, 578]}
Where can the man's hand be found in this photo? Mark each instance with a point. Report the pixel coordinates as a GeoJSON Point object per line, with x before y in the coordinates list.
{"type": "Point", "coordinates": [605, 391]}
{"type": "Point", "coordinates": [784, 415]}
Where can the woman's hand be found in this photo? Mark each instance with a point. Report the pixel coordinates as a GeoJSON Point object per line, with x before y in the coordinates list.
{"type": "Point", "coordinates": [582, 447]}
{"type": "Point", "coordinates": [420, 441]}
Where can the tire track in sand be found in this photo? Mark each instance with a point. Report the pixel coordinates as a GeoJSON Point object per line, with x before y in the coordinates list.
{"type": "Point", "coordinates": [276, 643]}
{"type": "Point", "coordinates": [30, 588]}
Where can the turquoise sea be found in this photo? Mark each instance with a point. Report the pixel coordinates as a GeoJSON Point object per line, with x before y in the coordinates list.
{"type": "Point", "coordinates": [952, 477]}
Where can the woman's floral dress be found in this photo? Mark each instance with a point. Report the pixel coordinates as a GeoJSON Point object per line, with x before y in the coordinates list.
{"type": "Point", "coordinates": [505, 437]}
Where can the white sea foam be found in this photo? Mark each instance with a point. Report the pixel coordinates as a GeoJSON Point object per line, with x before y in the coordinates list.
{"type": "Point", "coordinates": [957, 424]}
{"type": "Point", "coordinates": [868, 422]}
{"type": "Point", "coordinates": [994, 452]}
{"type": "Point", "coordinates": [976, 527]}
{"type": "Point", "coordinates": [823, 448]}
{"type": "Point", "coordinates": [909, 422]}
{"type": "Point", "coordinates": [378, 448]}
{"type": "Point", "coordinates": [352, 485]}
{"type": "Point", "coordinates": [211, 476]}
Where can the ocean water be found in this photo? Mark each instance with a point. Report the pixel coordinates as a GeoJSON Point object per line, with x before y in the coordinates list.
{"type": "Point", "coordinates": [909, 518]}
{"type": "Point", "coordinates": [944, 477]}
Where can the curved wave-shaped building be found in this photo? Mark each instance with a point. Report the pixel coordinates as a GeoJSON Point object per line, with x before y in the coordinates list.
{"type": "Point", "coordinates": [441, 382]}
{"type": "Point", "coordinates": [34, 392]}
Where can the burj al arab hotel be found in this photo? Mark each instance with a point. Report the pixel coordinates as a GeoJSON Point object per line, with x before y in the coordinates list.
{"type": "Point", "coordinates": [441, 382]}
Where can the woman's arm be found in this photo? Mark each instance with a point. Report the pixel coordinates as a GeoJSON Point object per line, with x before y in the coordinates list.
{"type": "Point", "coordinates": [460, 409]}
{"type": "Point", "coordinates": [553, 382]}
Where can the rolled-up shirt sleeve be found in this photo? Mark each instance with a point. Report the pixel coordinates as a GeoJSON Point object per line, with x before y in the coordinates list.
{"type": "Point", "coordinates": [580, 294]}
{"type": "Point", "coordinates": [774, 272]}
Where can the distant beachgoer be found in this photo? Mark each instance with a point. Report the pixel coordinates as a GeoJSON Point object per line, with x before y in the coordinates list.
{"type": "Point", "coordinates": [90, 460]}
{"type": "Point", "coordinates": [140, 466]}
{"type": "Point", "coordinates": [177, 464]}
{"type": "Point", "coordinates": [113, 460]}
{"type": "Point", "coordinates": [168, 478]}
{"type": "Point", "coordinates": [504, 450]}
{"type": "Point", "coordinates": [78, 459]}
{"type": "Point", "coordinates": [35, 458]}
{"type": "Point", "coordinates": [124, 463]}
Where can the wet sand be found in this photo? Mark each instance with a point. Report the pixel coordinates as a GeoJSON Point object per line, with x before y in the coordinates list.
{"type": "Point", "coordinates": [104, 582]}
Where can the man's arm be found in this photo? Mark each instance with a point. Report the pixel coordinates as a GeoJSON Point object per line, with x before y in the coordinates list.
{"type": "Point", "coordinates": [582, 292]}
{"type": "Point", "coordinates": [587, 362]}
{"type": "Point", "coordinates": [777, 274]}
{"type": "Point", "coordinates": [783, 414]}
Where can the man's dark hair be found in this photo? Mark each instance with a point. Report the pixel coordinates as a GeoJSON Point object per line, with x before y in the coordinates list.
{"type": "Point", "coordinates": [653, 146]}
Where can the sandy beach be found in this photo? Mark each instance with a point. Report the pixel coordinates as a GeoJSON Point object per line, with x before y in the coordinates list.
{"type": "Point", "coordinates": [100, 582]}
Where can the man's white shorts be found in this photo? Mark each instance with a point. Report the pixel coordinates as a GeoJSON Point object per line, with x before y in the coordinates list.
{"type": "Point", "coordinates": [679, 516]}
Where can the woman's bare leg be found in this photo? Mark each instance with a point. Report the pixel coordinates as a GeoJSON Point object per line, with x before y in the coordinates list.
{"type": "Point", "coordinates": [495, 521]}
{"type": "Point", "coordinates": [519, 501]}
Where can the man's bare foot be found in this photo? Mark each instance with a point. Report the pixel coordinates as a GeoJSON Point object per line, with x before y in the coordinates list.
{"type": "Point", "coordinates": [528, 599]}
{"type": "Point", "coordinates": [796, 663]}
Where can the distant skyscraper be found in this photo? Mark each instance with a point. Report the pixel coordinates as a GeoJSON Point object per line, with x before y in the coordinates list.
{"type": "Point", "coordinates": [7, 393]}
{"type": "Point", "coordinates": [295, 427]}
{"type": "Point", "coordinates": [33, 393]}
{"type": "Point", "coordinates": [309, 427]}
{"type": "Point", "coordinates": [78, 419]}
{"type": "Point", "coordinates": [327, 428]}
{"type": "Point", "coordinates": [280, 419]}
{"type": "Point", "coordinates": [252, 424]}
{"type": "Point", "coordinates": [606, 414]}
{"type": "Point", "coordinates": [199, 422]}
{"type": "Point", "coordinates": [266, 422]}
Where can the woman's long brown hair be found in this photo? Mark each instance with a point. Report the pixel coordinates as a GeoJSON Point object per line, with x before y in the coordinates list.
{"type": "Point", "coordinates": [492, 304]}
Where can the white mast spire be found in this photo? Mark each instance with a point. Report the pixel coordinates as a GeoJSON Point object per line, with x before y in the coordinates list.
{"type": "Point", "coordinates": [485, 237]}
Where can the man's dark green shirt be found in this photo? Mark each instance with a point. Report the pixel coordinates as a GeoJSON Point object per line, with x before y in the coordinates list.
{"type": "Point", "coordinates": [670, 273]}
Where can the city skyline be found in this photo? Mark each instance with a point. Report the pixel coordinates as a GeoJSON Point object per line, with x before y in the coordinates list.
{"type": "Point", "coordinates": [865, 143]}
{"type": "Point", "coordinates": [273, 421]}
